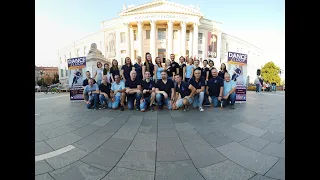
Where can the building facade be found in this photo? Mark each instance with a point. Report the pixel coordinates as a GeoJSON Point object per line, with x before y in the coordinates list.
{"type": "Point", "coordinates": [160, 27]}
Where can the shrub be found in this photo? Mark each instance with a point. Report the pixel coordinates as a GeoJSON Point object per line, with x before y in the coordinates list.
{"type": "Point", "coordinates": [251, 88]}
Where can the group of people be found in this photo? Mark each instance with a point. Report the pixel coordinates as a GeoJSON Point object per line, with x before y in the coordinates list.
{"type": "Point", "coordinates": [261, 85]}
{"type": "Point", "coordinates": [173, 85]}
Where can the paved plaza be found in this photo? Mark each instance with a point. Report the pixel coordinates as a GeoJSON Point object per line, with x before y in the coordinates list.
{"type": "Point", "coordinates": [74, 143]}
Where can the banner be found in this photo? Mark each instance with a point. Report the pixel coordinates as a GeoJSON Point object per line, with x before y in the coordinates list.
{"type": "Point", "coordinates": [237, 68]}
{"type": "Point", "coordinates": [76, 70]}
{"type": "Point", "coordinates": [212, 45]}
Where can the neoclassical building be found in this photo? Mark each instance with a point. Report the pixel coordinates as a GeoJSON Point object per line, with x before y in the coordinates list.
{"type": "Point", "coordinates": [162, 28]}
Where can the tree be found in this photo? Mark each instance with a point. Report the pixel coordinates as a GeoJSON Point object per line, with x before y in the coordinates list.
{"type": "Point", "coordinates": [55, 79]}
{"type": "Point", "coordinates": [48, 80]}
{"type": "Point", "coordinates": [270, 72]}
{"type": "Point", "coordinates": [40, 82]}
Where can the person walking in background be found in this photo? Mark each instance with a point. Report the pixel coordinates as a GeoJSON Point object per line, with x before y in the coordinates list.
{"type": "Point", "coordinates": [261, 84]}
{"type": "Point", "coordinates": [258, 84]}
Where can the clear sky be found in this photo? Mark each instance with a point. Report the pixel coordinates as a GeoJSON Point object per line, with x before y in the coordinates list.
{"type": "Point", "coordinates": [61, 22]}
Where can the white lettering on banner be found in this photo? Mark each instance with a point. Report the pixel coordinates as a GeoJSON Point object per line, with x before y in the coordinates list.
{"type": "Point", "coordinates": [161, 16]}
{"type": "Point", "coordinates": [212, 54]}
{"type": "Point", "coordinates": [77, 61]}
{"type": "Point", "coordinates": [236, 57]}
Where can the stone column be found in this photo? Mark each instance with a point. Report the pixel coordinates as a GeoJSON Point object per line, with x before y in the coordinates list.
{"type": "Point", "coordinates": [140, 38]}
{"type": "Point", "coordinates": [153, 27]}
{"type": "Point", "coordinates": [195, 39]}
{"type": "Point", "coordinates": [191, 43]}
{"type": "Point", "coordinates": [132, 43]}
{"type": "Point", "coordinates": [183, 38]}
{"type": "Point", "coordinates": [170, 39]}
{"type": "Point", "coordinates": [128, 42]}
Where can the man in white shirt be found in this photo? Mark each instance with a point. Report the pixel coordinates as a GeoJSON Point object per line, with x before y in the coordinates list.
{"type": "Point", "coordinates": [229, 91]}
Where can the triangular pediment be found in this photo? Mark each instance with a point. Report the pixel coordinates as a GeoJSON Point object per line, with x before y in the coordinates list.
{"type": "Point", "coordinates": [161, 6]}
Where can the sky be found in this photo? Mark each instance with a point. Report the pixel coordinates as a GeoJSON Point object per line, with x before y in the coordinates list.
{"type": "Point", "coordinates": [62, 22]}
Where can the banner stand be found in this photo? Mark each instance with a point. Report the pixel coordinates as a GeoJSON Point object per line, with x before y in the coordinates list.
{"type": "Point", "coordinates": [76, 66]}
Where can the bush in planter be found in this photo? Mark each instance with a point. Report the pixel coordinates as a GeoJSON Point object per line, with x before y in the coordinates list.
{"type": "Point", "coordinates": [251, 88]}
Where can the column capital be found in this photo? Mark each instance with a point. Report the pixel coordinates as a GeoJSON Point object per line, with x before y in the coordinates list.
{"type": "Point", "coordinates": [196, 24]}
{"type": "Point", "coordinates": [153, 21]}
{"type": "Point", "coordinates": [183, 23]}
{"type": "Point", "coordinates": [170, 22]}
{"type": "Point", "coordinates": [140, 23]}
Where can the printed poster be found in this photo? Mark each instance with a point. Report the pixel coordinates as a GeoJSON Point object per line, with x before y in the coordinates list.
{"type": "Point", "coordinates": [237, 67]}
{"type": "Point", "coordinates": [76, 67]}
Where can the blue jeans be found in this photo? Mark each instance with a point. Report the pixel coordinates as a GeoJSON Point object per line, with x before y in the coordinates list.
{"type": "Point", "coordinates": [206, 98]}
{"type": "Point", "coordinates": [115, 104]}
{"type": "Point", "coordinates": [274, 88]}
{"type": "Point", "coordinates": [94, 98]}
{"type": "Point", "coordinates": [231, 98]}
{"type": "Point", "coordinates": [131, 98]}
{"type": "Point", "coordinates": [198, 100]}
{"type": "Point", "coordinates": [104, 99]}
{"type": "Point", "coordinates": [99, 82]}
{"type": "Point", "coordinates": [179, 102]}
{"type": "Point", "coordinates": [257, 87]}
{"type": "Point", "coordinates": [144, 104]}
{"type": "Point", "coordinates": [160, 100]}
{"type": "Point", "coordinates": [215, 101]}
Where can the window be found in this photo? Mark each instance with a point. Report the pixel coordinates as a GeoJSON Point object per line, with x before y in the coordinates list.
{"type": "Point", "coordinates": [122, 61]}
{"type": "Point", "coordinates": [147, 34]}
{"type": "Point", "coordinates": [161, 33]}
{"type": "Point", "coordinates": [123, 51]}
{"type": "Point", "coordinates": [199, 52]}
{"type": "Point", "coordinates": [78, 50]}
{"type": "Point", "coordinates": [122, 37]}
{"type": "Point", "coordinates": [135, 35]}
{"type": "Point", "coordinates": [175, 34]}
{"type": "Point", "coordinates": [200, 38]}
{"type": "Point", "coordinates": [84, 50]}
{"type": "Point", "coordinates": [61, 72]}
{"type": "Point", "coordinates": [187, 35]}
{"type": "Point", "coordinates": [187, 52]}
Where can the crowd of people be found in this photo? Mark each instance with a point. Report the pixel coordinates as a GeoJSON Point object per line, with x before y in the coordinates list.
{"type": "Point", "coordinates": [261, 85]}
{"type": "Point", "coordinates": [173, 85]}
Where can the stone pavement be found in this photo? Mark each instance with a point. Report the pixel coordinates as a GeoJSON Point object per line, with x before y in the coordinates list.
{"type": "Point", "coordinates": [74, 143]}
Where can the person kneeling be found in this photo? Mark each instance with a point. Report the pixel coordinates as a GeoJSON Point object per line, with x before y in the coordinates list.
{"type": "Point", "coordinates": [91, 94]}
{"type": "Point", "coordinates": [117, 93]}
{"type": "Point", "coordinates": [229, 91]}
{"type": "Point", "coordinates": [165, 91]}
{"type": "Point", "coordinates": [148, 93]}
{"type": "Point", "coordinates": [133, 90]}
{"type": "Point", "coordinates": [186, 91]}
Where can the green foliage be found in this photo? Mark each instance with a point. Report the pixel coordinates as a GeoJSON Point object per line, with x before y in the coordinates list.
{"type": "Point", "coordinates": [55, 79]}
{"type": "Point", "coordinates": [251, 88]}
{"type": "Point", "coordinates": [271, 73]}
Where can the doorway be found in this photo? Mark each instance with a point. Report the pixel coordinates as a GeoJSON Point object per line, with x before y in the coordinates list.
{"type": "Point", "coordinates": [162, 54]}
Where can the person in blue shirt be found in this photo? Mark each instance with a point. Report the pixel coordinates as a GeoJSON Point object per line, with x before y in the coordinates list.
{"type": "Point", "coordinates": [117, 93]}
{"type": "Point", "coordinates": [148, 93]}
{"type": "Point", "coordinates": [91, 95]}
{"type": "Point", "coordinates": [186, 92]}
{"type": "Point", "coordinates": [133, 90]}
{"type": "Point", "coordinates": [189, 70]}
{"type": "Point", "coordinates": [229, 91]}
{"type": "Point", "coordinates": [198, 83]}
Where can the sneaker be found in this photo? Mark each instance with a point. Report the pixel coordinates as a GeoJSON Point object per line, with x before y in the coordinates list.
{"type": "Point", "coordinates": [151, 108]}
{"type": "Point", "coordinates": [138, 109]}
{"type": "Point", "coordinates": [201, 109]}
{"type": "Point", "coordinates": [121, 108]}
{"type": "Point", "coordinates": [232, 106]}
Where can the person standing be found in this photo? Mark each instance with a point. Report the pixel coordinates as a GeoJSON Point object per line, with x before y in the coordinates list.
{"type": "Point", "coordinates": [148, 66]}
{"type": "Point", "coordinates": [98, 74]}
{"type": "Point", "coordinates": [174, 66]}
{"type": "Point", "coordinates": [189, 70]}
{"type": "Point", "coordinates": [86, 81]}
{"type": "Point", "coordinates": [158, 69]}
{"type": "Point", "coordinates": [133, 90]}
{"type": "Point", "coordinates": [223, 70]}
{"type": "Point", "coordinates": [215, 88]}
{"type": "Point", "coordinates": [138, 68]}
{"type": "Point", "coordinates": [126, 69]}
{"type": "Point", "coordinates": [211, 66]}
{"type": "Point", "coordinates": [165, 91]}
{"type": "Point", "coordinates": [114, 70]}
{"type": "Point", "coordinates": [182, 68]}
{"type": "Point", "coordinates": [148, 93]}
{"type": "Point", "coordinates": [106, 72]}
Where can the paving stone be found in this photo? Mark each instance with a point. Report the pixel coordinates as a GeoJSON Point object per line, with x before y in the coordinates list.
{"type": "Point", "coordinates": [112, 127]}
{"type": "Point", "coordinates": [250, 129]}
{"type": "Point", "coordinates": [279, 128]}
{"type": "Point", "coordinates": [204, 129]}
{"type": "Point", "coordinates": [178, 170]}
{"type": "Point", "coordinates": [78, 171]}
{"type": "Point", "coordinates": [59, 131]}
{"type": "Point", "coordinates": [217, 139]}
{"type": "Point", "coordinates": [119, 173]}
{"type": "Point", "coordinates": [44, 177]}
{"type": "Point", "coordinates": [83, 122]}
{"type": "Point", "coordinates": [116, 145]}
{"type": "Point", "coordinates": [248, 158]}
{"type": "Point", "coordinates": [86, 130]}
{"type": "Point", "coordinates": [144, 142]}
{"type": "Point", "coordinates": [128, 130]}
{"type": "Point", "coordinates": [151, 115]}
{"type": "Point", "coordinates": [102, 121]}
{"type": "Point", "coordinates": [237, 135]}
{"type": "Point", "coordinates": [168, 131]}
{"type": "Point", "coordinates": [42, 167]}
{"type": "Point", "coordinates": [39, 136]}
{"type": "Point", "coordinates": [273, 136]}
{"type": "Point", "coordinates": [66, 158]}
{"type": "Point", "coordinates": [170, 149]}
{"type": "Point", "coordinates": [259, 177]}
{"type": "Point", "coordinates": [255, 143]}
{"type": "Point", "coordinates": [274, 149]}
{"type": "Point", "coordinates": [137, 160]}
{"type": "Point", "coordinates": [226, 170]}
{"type": "Point", "coordinates": [102, 159]}
{"type": "Point", "coordinates": [260, 124]}
{"type": "Point", "coordinates": [42, 148]}
{"type": "Point", "coordinates": [278, 170]}
{"type": "Point", "coordinates": [93, 141]}
{"type": "Point", "coordinates": [201, 153]}
{"type": "Point", "coordinates": [148, 126]}
{"type": "Point", "coordinates": [183, 126]}
{"type": "Point", "coordinates": [63, 140]}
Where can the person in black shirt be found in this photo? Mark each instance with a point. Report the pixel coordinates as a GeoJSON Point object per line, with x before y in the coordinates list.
{"type": "Point", "coordinates": [148, 93]}
{"type": "Point", "coordinates": [126, 69]}
{"type": "Point", "coordinates": [196, 66]}
{"type": "Point", "coordinates": [223, 70]}
{"type": "Point", "coordinates": [133, 90]}
{"type": "Point", "coordinates": [104, 96]}
{"type": "Point", "coordinates": [182, 68]}
{"type": "Point", "coordinates": [186, 92]}
{"type": "Point", "coordinates": [168, 69]}
{"type": "Point", "coordinates": [85, 82]}
{"type": "Point", "coordinates": [148, 66]}
{"type": "Point", "coordinates": [114, 70]}
{"type": "Point", "coordinates": [205, 74]}
{"type": "Point", "coordinates": [174, 66]}
{"type": "Point", "coordinates": [198, 82]}
{"type": "Point", "coordinates": [138, 68]}
{"type": "Point", "coordinates": [215, 88]}
{"type": "Point", "coordinates": [165, 91]}
{"type": "Point", "coordinates": [211, 66]}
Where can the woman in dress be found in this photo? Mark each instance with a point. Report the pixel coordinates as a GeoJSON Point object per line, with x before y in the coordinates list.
{"type": "Point", "coordinates": [99, 73]}
{"type": "Point", "coordinates": [114, 70]}
{"type": "Point", "coordinates": [158, 69]}
{"type": "Point", "coordinates": [148, 66]}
